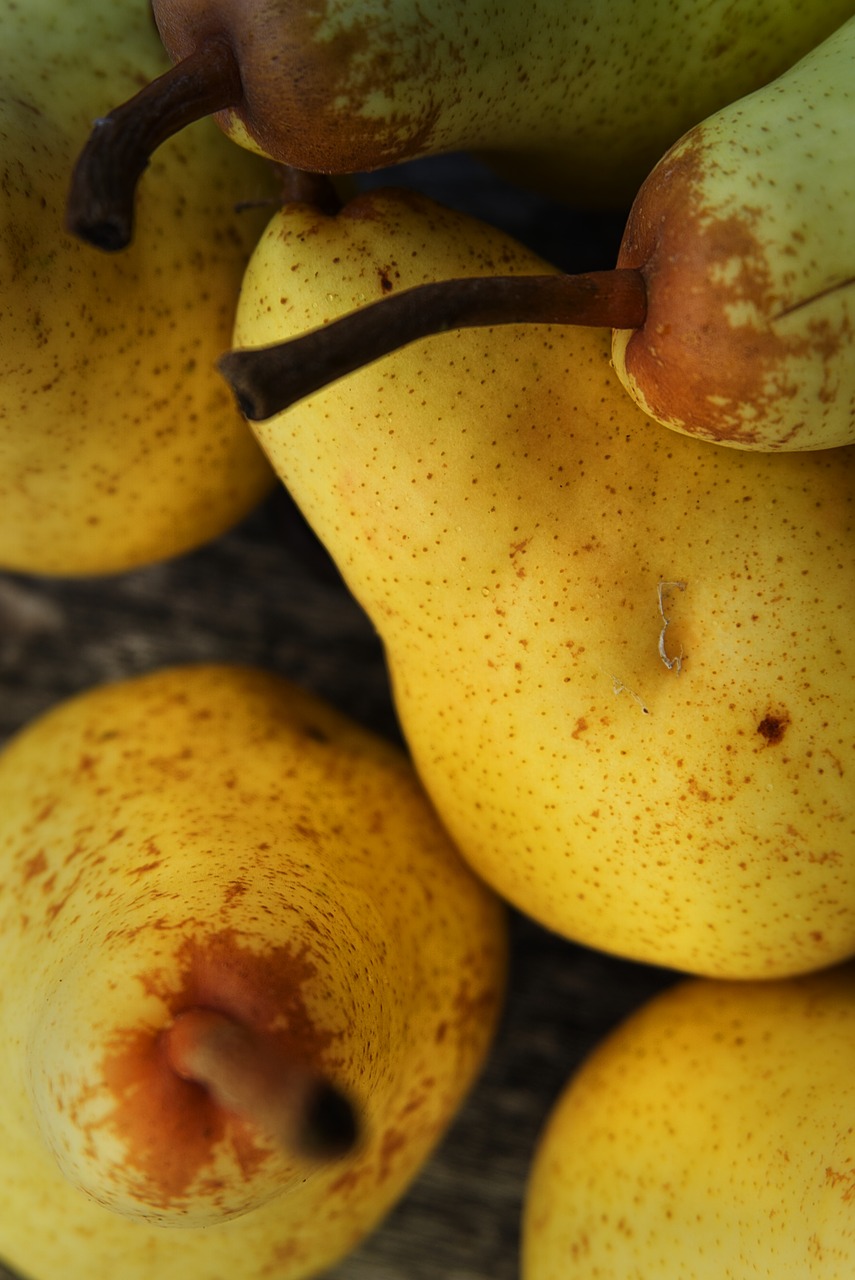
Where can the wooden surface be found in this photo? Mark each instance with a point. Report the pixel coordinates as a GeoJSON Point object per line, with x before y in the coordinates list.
{"type": "Point", "coordinates": [266, 594]}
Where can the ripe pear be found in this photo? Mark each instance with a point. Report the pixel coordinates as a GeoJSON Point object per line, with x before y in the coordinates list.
{"type": "Point", "coordinates": [732, 301]}
{"type": "Point", "coordinates": [622, 659]}
{"type": "Point", "coordinates": [248, 981]}
{"type": "Point", "coordinates": [709, 1137]}
{"type": "Point", "coordinates": [562, 95]}
{"type": "Point", "coordinates": [118, 445]}
{"type": "Point", "coordinates": [745, 238]}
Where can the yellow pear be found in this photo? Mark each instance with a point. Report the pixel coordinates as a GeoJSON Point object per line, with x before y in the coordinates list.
{"type": "Point", "coordinates": [118, 443]}
{"type": "Point", "coordinates": [622, 658]}
{"type": "Point", "coordinates": [248, 981]}
{"type": "Point", "coordinates": [710, 1137]}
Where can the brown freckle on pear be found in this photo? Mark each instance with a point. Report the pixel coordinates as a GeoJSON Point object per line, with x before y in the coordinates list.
{"type": "Point", "coordinates": [235, 890]}
{"type": "Point", "coordinates": [35, 866]}
{"type": "Point", "coordinates": [773, 727]}
{"type": "Point", "coordinates": [316, 734]}
{"type": "Point", "coordinates": [393, 1141]}
{"type": "Point", "coordinates": [348, 1180]}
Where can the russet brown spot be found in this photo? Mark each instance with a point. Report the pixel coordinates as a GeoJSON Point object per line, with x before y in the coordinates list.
{"type": "Point", "coordinates": [701, 361]}
{"type": "Point", "coordinates": [842, 1180]}
{"type": "Point", "coordinates": [37, 865]}
{"type": "Point", "coordinates": [392, 1142]}
{"type": "Point", "coordinates": [315, 733]}
{"type": "Point", "coordinates": [170, 1127]}
{"type": "Point", "coordinates": [304, 82]}
{"type": "Point", "coordinates": [346, 1182]}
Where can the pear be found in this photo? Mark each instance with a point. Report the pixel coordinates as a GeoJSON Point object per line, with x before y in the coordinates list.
{"type": "Point", "coordinates": [118, 443]}
{"type": "Point", "coordinates": [565, 97]}
{"type": "Point", "coordinates": [248, 980]}
{"type": "Point", "coordinates": [732, 300]}
{"type": "Point", "coordinates": [745, 238]}
{"type": "Point", "coordinates": [622, 659]}
{"type": "Point", "coordinates": [709, 1136]}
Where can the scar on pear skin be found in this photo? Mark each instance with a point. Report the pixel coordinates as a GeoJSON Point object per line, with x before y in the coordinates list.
{"type": "Point", "coordinates": [675, 663]}
{"type": "Point", "coordinates": [773, 726]}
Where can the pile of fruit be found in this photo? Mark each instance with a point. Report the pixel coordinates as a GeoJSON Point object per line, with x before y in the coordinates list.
{"type": "Point", "coordinates": [604, 526]}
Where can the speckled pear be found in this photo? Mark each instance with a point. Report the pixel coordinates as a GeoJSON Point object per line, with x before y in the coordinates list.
{"type": "Point", "coordinates": [568, 96]}
{"type": "Point", "coordinates": [732, 304]}
{"type": "Point", "coordinates": [118, 446]}
{"type": "Point", "coordinates": [248, 981]}
{"type": "Point", "coordinates": [709, 1136]}
{"type": "Point", "coordinates": [745, 238]}
{"type": "Point", "coordinates": [623, 658]}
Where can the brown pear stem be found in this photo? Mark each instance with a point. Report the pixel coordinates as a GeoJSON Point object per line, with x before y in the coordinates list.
{"type": "Point", "coordinates": [300, 186]}
{"type": "Point", "coordinates": [296, 1107]}
{"type": "Point", "coordinates": [267, 380]}
{"type": "Point", "coordinates": [100, 206]}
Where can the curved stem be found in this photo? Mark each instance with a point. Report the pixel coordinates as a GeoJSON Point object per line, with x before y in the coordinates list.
{"type": "Point", "coordinates": [267, 380]}
{"type": "Point", "coordinates": [300, 1110]}
{"type": "Point", "coordinates": [100, 206]}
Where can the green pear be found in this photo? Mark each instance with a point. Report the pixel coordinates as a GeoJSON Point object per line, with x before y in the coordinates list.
{"type": "Point", "coordinates": [622, 659]}
{"type": "Point", "coordinates": [745, 238]}
{"type": "Point", "coordinates": [709, 1137]}
{"type": "Point", "coordinates": [118, 446]}
{"type": "Point", "coordinates": [248, 981]}
{"type": "Point", "coordinates": [567, 96]}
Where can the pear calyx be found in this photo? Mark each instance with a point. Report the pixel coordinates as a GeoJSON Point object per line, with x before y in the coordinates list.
{"type": "Point", "coordinates": [100, 205]}
{"type": "Point", "coordinates": [304, 1113]}
{"type": "Point", "coordinates": [267, 380]}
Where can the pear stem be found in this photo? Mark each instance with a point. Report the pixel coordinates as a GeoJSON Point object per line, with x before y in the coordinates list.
{"type": "Point", "coordinates": [100, 205]}
{"type": "Point", "coordinates": [301, 186]}
{"type": "Point", "coordinates": [267, 380]}
{"type": "Point", "coordinates": [296, 1107]}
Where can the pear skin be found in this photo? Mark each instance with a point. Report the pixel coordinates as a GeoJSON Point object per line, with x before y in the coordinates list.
{"type": "Point", "coordinates": [575, 99]}
{"type": "Point", "coordinates": [118, 445]}
{"type": "Point", "coordinates": [745, 237]}
{"type": "Point", "coordinates": [709, 1137]}
{"type": "Point", "coordinates": [218, 889]}
{"type": "Point", "coordinates": [584, 99]}
{"type": "Point", "coordinates": [622, 658]}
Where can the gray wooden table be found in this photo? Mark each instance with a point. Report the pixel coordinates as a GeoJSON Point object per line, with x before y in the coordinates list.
{"type": "Point", "coordinates": [267, 594]}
